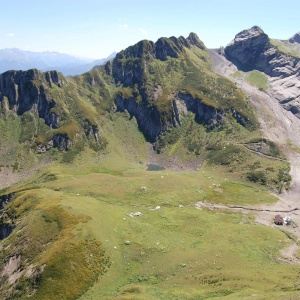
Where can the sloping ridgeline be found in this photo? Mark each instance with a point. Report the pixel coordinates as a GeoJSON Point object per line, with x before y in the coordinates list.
{"type": "Point", "coordinates": [54, 251]}
{"type": "Point", "coordinates": [46, 110]}
{"type": "Point", "coordinates": [159, 83]}
{"type": "Point", "coordinates": [252, 49]}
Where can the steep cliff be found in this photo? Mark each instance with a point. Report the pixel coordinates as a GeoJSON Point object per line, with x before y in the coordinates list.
{"type": "Point", "coordinates": [48, 109]}
{"type": "Point", "coordinates": [295, 38]}
{"type": "Point", "coordinates": [157, 83]}
{"type": "Point", "coordinates": [27, 90]}
{"type": "Point", "coordinates": [152, 77]}
{"type": "Point", "coordinates": [253, 50]}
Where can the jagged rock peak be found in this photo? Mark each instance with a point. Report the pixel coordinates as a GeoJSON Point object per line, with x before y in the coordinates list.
{"type": "Point", "coordinates": [27, 90]}
{"type": "Point", "coordinates": [193, 39]}
{"type": "Point", "coordinates": [253, 50]}
{"type": "Point", "coordinates": [48, 77]}
{"type": "Point", "coordinates": [295, 38]}
{"type": "Point", "coordinates": [247, 34]}
{"type": "Point", "coordinates": [163, 48]}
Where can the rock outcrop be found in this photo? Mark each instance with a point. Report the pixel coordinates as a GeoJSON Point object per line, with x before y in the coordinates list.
{"type": "Point", "coordinates": [5, 227]}
{"type": "Point", "coordinates": [5, 231]}
{"type": "Point", "coordinates": [26, 90]}
{"type": "Point", "coordinates": [60, 141]}
{"type": "Point", "coordinates": [129, 73]}
{"type": "Point", "coordinates": [91, 131]}
{"type": "Point", "coordinates": [152, 122]}
{"type": "Point", "coordinates": [204, 114]}
{"type": "Point", "coordinates": [4, 199]}
{"type": "Point", "coordinates": [295, 38]}
{"type": "Point", "coordinates": [143, 92]}
{"type": "Point", "coordinates": [148, 118]}
{"type": "Point", "coordinates": [253, 50]}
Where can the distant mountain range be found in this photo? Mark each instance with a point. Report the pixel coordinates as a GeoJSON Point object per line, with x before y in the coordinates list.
{"type": "Point", "coordinates": [17, 59]}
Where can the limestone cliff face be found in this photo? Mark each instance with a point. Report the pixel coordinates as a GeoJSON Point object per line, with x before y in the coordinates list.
{"type": "Point", "coordinates": [253, 50]}
{"type": "Point", "coordinates": [143, 95]}
{"type": "Point", "coordinates": [129, 72]}
{"type": "Point", "coordinates": [148, 118]}
{"type": "Point", "coordinates": [152, 122]}
{"type": "Point", "coordinates": [295, 38]}
{"type": "Point", "coordinates": [26, 91]}
{"type": "Point", "coordinates": [207, 115]}
{"type": "Point", "coordinates": [204, 114]}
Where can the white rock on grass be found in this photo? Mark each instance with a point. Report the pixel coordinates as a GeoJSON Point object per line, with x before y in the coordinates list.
{"type": "Point", "coordinates": [137, 214]}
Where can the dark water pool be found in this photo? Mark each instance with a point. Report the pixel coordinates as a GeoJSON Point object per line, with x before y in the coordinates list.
{"type": "Point", "coordinates": [151, 167]}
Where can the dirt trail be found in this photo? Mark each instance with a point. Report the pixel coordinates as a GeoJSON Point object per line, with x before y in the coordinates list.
{"type": "Point", "coordinates": [280, 126]}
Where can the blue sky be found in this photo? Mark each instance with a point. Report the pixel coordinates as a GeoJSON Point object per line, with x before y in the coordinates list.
{"type": "Point", "coordinates": [91, 28]}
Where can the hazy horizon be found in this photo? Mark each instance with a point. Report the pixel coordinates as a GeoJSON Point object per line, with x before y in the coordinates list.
{"type": "Point", "coordinates": [95, 29]}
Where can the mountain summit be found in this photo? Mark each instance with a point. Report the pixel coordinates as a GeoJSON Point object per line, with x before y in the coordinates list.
{"type": "Point", "coordinates": [252, 50]}
{"type": "Point", "coordinates": [163, 48]}
{"type": "Point", "coordinates": [160, 82]}
{"type": "Point", "coordinates": [295, 38]}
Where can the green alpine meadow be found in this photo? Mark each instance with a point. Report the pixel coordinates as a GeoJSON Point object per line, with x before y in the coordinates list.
{"type": "Point", "coordinates": [154, 176]}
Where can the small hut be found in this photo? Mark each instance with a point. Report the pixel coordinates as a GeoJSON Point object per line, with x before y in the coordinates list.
{"type": "Point", "coordinates": [278, 220]}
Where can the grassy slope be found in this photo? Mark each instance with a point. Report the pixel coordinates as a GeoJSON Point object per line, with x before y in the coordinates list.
{"type": "Point", "coordinates": [286, 47]}
{"type": "Point", "coordinates": [173, 252]}
{"type": "Point", "coordinates": [255, 78]}
{"type": "Point", "coordinates": [72, 216]}
{"type": "Point", "coordinates": [189, 74]}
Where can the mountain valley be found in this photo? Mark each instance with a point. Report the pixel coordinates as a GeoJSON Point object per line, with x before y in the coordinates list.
{"type": "Point", "coordinates": [156, 175]}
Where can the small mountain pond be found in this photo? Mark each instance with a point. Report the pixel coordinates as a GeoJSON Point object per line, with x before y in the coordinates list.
{"type": "Point", "coordinates": [151, 167]}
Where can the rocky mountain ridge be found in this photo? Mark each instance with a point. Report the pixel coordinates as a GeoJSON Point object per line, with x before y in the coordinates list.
{"type": "Point", "coordinates": [68, 229]}
{"type": "Point", "coordinates": [23, 93]}
{"type": "Point", "coordinates": [295, 38]}
{"type": "Point", "coordinates": [252, 49]}
{"type": "Point", "coordinates": [143, 93]}
{"type": "Point", "coordinates": [159, 84]}
{"type": "Point", "coordinates": [142, 88]}
{"type": "Point", "coordinates": [39, 100]}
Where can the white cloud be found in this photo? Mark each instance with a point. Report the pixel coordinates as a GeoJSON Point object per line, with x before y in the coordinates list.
{"type": "Point", "coordinates": [10, 34]}
{"type": "Point", "coordinates": [143, 31]}
{"type": "Point", "coordinates": [123, 26]}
